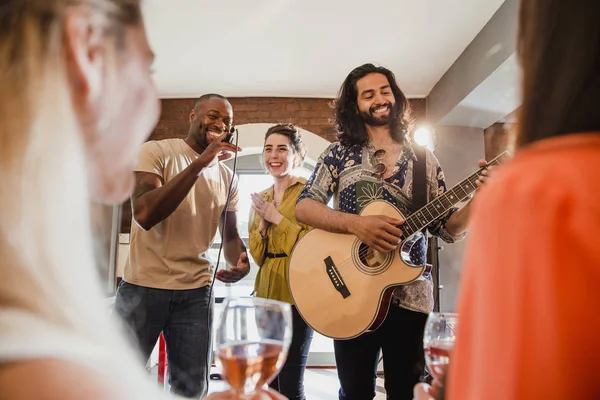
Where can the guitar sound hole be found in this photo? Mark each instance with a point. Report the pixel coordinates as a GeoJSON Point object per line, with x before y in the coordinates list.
{"type": "Point", "coordinates": [371, 258]}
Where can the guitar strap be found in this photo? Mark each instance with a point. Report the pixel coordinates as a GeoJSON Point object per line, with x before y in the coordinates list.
{"type": "Point", "coordinates": [419, 192]}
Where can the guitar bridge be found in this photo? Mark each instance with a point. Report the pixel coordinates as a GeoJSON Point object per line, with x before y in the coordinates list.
{"type": "Point", "coordinates": [336, 278]}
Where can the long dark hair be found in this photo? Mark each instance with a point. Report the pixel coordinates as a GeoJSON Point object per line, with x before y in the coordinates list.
{"type": "Point", "coordinates": [350, 127]}
{"type": "Point", "coordinates": [559, 51]}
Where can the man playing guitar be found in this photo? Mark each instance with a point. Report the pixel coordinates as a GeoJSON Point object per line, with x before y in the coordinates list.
{"type": "Point", "coordinates": [374, 160]}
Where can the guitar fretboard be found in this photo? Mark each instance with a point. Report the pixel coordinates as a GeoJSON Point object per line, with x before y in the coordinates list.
{"type": "Point", "coordinates": [441, 204]}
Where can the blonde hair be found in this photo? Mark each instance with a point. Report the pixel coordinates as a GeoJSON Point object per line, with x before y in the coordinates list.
{"type": "Point", "coordinates": [46, 245]}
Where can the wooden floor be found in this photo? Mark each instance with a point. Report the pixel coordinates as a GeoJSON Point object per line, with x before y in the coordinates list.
{"type": "Point", "coordinates": [319, 384]}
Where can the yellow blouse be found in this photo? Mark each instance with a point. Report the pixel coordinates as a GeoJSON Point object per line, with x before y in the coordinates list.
{"type": "Point", "coordinates": [271, 253]}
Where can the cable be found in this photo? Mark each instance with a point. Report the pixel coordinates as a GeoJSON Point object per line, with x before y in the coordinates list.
{"type": "Point", "coordinates": [214, 275]}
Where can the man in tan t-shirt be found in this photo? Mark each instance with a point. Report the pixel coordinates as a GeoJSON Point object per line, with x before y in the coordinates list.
{"type": "Point", "coordinates": [179, 201]}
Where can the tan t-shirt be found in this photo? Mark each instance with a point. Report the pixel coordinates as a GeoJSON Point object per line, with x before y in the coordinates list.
{"type": "Point", "coordinates": [173, 254]}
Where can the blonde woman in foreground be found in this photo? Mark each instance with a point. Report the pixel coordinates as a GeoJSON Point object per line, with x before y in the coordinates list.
{"type": "Point", "coordinates": [76, 102]}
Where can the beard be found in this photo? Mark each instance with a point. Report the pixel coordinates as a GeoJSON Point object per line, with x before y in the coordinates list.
{"type": "Point", "coordinates": [370, 118]}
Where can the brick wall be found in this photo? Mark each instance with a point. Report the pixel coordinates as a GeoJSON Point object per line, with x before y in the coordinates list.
{"type": "Point", "coordinates": [310, 114]}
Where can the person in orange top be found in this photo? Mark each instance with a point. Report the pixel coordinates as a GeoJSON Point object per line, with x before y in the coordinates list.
{"type": "Point", "coordinates": [531, 285]}
{"type": "Point", "coordinates": [532, 279]}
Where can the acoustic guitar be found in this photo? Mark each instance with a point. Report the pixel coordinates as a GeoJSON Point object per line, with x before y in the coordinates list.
{"type": "Point", "coordinates": [343, 288]}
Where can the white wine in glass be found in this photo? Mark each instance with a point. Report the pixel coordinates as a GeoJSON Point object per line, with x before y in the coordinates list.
{"type": "Point", "coordinates": [438, 341]}
{"type": "Point", "coordinates": [253, 337]}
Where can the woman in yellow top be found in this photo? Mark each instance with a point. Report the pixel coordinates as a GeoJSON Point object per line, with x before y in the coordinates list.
{"type": "Point", "coordinates": [273, 233]}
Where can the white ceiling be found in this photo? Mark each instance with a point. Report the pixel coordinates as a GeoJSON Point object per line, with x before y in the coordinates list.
{"type": "Point", "coordinates": [305, 48]}
{"type": "Point", "coordinates": [488, 103]}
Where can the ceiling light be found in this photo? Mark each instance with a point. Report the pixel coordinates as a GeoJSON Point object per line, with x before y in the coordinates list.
{"type": "Point", "coordinates": [424, 136]}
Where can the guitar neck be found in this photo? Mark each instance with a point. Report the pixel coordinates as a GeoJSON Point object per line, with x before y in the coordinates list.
{"type": "Point", "coordinates": [442, 203]}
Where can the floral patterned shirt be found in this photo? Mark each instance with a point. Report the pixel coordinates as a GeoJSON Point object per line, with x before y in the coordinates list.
{"type": "Point", "coordinates": [346, 173]}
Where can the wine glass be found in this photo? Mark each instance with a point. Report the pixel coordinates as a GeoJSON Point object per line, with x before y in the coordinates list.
{"type": "Point", "coordinates": [252, 340]}
{"type": "Point", "coordinates": [438, 341]}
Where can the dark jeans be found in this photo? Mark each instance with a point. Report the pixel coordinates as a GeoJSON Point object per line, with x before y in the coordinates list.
{"type": "Point", "coordinates": [185, 318]}
{"type": "Point", "coordinates": [400, 337]}
{"type": "Point", "coordinates": [290, 381]}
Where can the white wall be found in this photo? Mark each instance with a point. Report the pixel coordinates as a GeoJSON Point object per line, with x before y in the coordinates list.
{"type": "Point", "coordinates": [458, 150]}
{"type": "Point", "coordinates": [122, 253]}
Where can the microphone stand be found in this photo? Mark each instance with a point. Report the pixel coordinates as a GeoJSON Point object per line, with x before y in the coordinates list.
{"type": "Point", "coordinates": [434, 259]}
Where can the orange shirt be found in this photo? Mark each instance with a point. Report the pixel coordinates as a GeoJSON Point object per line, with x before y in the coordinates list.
{"type": "Point", "coordinates": [530, 298]}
